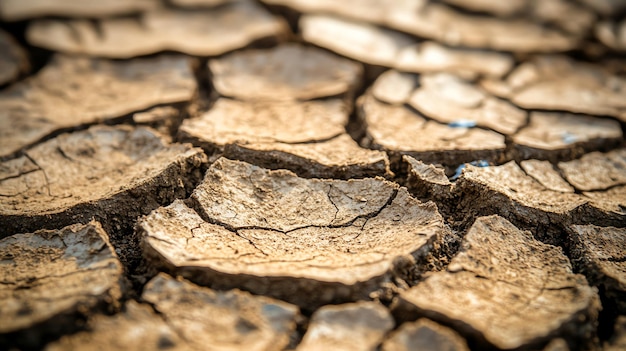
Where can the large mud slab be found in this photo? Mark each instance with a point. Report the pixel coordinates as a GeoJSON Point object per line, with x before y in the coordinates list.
{"type": "Point", "coordinates": [52, 277]}
{"type": "Point", "coordinates": [506, 289]}
{"type": "Point", "coordinates": [599, 253]}
{"type": "Point", "coordinates": [307, 137]}
{"type": "Point", "coordinates": [114, 174]}
{"type": "Point", "coordinates": [445, 24]}
{"type": "Point", "coordinates": [179, 315]}
{"type": "Point", "coordinates": [306, 241]}
{"type": "Point", "coordinates": [287, 72]}
{"type": "Point", "coordinates": [201, 32]}
{"type": "Point", "coordinates": [71, 92]}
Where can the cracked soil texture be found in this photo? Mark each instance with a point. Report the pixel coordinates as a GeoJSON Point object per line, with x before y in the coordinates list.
{"type": "Point", "coordinates": [313, 175]}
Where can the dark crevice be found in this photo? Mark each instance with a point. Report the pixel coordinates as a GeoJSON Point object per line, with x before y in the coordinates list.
{"type": "Point", "coordinates": [302, 325]}
{"type": "Point", "coordinates": [206, 94]}
{"type": "Point", "coordinates": [608, 316]}
{"type": "Point", "coordinates": [19, 175]}
{"type": "Point", "coordinates": [613, 259]}
{"type": "Point", "coordinates": [37, 57]}
{"type": "Point", "coordinates": [43, 171]}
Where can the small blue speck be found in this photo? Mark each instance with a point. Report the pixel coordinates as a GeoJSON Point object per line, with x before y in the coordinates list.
{"type": "Point", "coordinates": [462, 123]}
{"type": "Point", "coordinates": [457, 173]}
{"type": "Point", "coordinates": [569, 138]}
{"type": "Point", "coordinates": [272, 310]}
{"type": "Point", "coordinates": [478, 163]}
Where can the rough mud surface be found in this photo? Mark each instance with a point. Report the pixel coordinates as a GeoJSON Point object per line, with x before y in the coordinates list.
{"type": "Point", "coordinates": [424, 334]}
{"type": "Point", "coordinates": [94, 173]}
{"type": "Point", "coordinates": [357, 326]}
{"type": "Point", "coordinates": [49, 277]}
{"type": "Point", "coordinates": [75, 91]}
{"type": "Point", "coordinates": [506, 289]}
{"type": "Point", "coordinates": [182, 316]}
{"type": "Point", "coordinates": [206, 32]}
{"type": "Point", "coordinates": [434, 20]}
{"type": "Point", "coordinates": [600, 253]}
{"type": "Point", "coordinates": [308, 138]}
{"type": "Point", "coordinates": [309, 242]}
{"type": "Point", "coordinates": [399, 130]}
{"type": "Point", "coordinates": [378, 46]}
{"type": "Point", "coordinates": [536, 201]}
{"type": "Point", "coordinates": [312, 175]}
{"type": "Point", "coordinates": [553, 82]}
{"type": "Point", "coordinates": [269, 74]}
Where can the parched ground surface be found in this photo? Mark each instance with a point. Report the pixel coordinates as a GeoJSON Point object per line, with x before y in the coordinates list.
{"type": "Point", "coordinates": [313, 175]}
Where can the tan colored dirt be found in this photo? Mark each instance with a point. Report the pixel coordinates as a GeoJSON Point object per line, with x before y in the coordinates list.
{"type": "Point", "coordinates": [97, 172]}
{"type": "Point", "coordinates": [70, 92]}
{"type": "Point", "coordinates": [306, 241]}
{"type": "Point", "coordinates": [506, 289]}
{"type": "Point", "coordinates": [206, 32]}
{"type": "Point", "coordinates": [49, 276]}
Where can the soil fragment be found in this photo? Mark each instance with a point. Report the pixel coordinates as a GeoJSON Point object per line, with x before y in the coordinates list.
{"type": "Point", "coordinates": [562, 136]}
{"type": "Point", "coordinates": [424, 335]}
{"type": "Point", "coordinates": [356, 326]}
{"type": "Point", "coordinates": [400, 131]}
{"type": "Point", "coordinates": [50, 277]}
{"type": "Point", "coordinates": [506, 289]}
{"type": "Point", "coordinates": [599, 254]}
{"type": "Point", "coordinates": [72, 91]}
{"type": "Point", "coordinates": [228, 320]}
{"type": "Point", "coordinates": [306, 241]}
{"type": "Point", "coordinates": [268, 74]}
{"type": "Point", "coordinates": [101, 172]}
{"type": "Point", "coordinates": [308, 138]}
{"type": "Point", "coordinates": [200, 32]}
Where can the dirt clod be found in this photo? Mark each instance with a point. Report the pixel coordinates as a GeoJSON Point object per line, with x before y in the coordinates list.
{"type": "Point", "coordinates": [400, 131]}
{"type": "Point", "coordinates": [228, 320]}
{"type": "Point", "coordinates": [308, 242]}
{"type": "Point", "coordinates": [268, 74]}
{"type": "Point", "coordinates": [71, 92]}
{"type": "Point", "coordinates": [506, 289]}
{"type": "Point", "coordinates": [206, 31]}
{"type": "Point", "coordinates": [98, 173]}
{"type": "Point", "coordinates": [357, 326]}
{"type": "Point", "coordinates": [424, 334]}
{"type": "Point", "coordinates": [598, 252]}
{"type": "Point", "coordinates": [50, 277]}
{"type": "Point", "coordinates": [136, 327]}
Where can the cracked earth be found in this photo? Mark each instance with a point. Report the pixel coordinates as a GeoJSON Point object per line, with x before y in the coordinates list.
{"type": "Point", "coordinates": [313, 175]}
